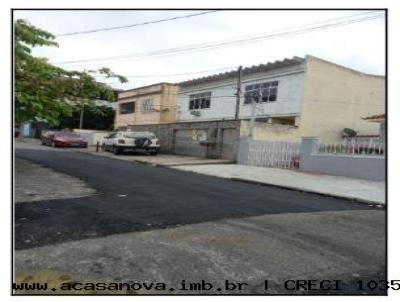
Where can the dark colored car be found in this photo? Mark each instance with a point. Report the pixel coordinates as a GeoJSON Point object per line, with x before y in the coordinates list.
{"type": "Point", "coordinates": [63, 139]}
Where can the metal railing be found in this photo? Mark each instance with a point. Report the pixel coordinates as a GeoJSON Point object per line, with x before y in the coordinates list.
{"type": "Point", "coordinates": [371, 147]}
{"type": "Point", "coordinates": [277, 154]}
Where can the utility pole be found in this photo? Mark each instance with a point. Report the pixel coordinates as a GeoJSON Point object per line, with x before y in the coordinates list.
{"type": "Point", "coordinates": [238, 92]}
{"type": "Point", "coordinates": [81, 117]}
{"type": "Point", "coordinates": [252, 117]}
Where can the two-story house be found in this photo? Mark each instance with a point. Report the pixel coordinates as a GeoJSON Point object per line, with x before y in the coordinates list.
{"type": "Point", "coordinates": [153, 104]}
{"type": "Point", "coordinates": [293, 98]}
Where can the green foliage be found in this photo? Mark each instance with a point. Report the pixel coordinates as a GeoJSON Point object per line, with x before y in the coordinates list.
{"type": "Point", "coordinates": [99, 118]}
{"type": "Point", "coordinates": [45, 91]}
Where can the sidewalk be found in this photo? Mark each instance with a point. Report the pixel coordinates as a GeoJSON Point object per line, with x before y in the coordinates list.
{"type": "Point", "coordinates": [165, 160]}
{"type": "Point", "coordinates": [344, 187]}
{"type": "Point", "coordinates": [337, 186]}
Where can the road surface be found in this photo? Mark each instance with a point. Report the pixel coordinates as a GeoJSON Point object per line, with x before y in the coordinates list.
{"type": "Point", "coordinates": [160, 224]}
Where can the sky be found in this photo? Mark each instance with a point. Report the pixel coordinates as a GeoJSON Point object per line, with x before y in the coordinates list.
{"type": "Point", "coordinates": [360, 45]}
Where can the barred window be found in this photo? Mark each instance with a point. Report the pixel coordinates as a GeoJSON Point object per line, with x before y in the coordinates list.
{"type": "Point", "coordinates": [147, 105]}
{"type": "Point", "coordinates": [200, 101]}
{"type": "Point", "coordinates": [265, 92]}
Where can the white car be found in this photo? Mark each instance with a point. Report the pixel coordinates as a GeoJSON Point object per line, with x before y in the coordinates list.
{"type": "Point", "coordinates": [124, 141]}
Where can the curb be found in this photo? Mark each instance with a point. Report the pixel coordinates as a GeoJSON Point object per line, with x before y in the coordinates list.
{"type": "Point", "coordinates": [354, 199]}
{"type": "Point", "coordinates": [253, 182]}
{"type": "Point", "coordinates": [156, 164]}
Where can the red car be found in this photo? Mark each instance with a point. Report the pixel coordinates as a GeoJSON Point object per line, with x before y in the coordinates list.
{"type": "Point", "coordinates": [63, 139]}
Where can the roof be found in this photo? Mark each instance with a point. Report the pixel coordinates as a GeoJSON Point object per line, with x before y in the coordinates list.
{"type": "Point", "coordinates": [147, 86]}
{"type": "Point", "coordinates": [375, 118]}
{"type": "Point", "coordinates": [245, 71]}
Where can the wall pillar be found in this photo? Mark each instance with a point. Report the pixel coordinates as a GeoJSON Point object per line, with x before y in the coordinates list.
{"type": "Point", "coordinates": [243, 151]}
{"type": "Point", "coordinates": [308, 145]}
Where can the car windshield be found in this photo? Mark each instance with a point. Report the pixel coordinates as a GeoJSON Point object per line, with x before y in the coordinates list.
{"type": "Point", "coordinates": [138, 134]}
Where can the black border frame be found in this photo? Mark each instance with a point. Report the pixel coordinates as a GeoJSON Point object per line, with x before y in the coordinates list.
{"type": "Point", "coordinates": [385, 9]}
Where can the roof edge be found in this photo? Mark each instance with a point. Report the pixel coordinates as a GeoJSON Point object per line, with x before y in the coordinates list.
{"type": "Point", "coordinates": [344, 67]}
{"type": "Point", "coordinates": [246, 71]}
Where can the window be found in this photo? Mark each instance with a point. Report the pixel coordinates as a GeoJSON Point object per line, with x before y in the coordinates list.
{"type": "Point", "coordinates": [200, 101]}
{"type": "Point", "coordinates": [289, 120]}
{"type": "Point", "coordinates": [147, 105]}
{"type": "Point", "coordinates": [127, 108]}
{"type": "Point", "coordinates": [265, 92]}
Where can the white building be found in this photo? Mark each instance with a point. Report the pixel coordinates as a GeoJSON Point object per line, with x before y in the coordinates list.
{"type": "Point", "coordinates": [294, 98]}
{"type": "Point", "coordinates": [278, 86]}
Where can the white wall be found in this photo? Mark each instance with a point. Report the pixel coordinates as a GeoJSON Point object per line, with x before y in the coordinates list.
{"type": "Point", "coordinates": [93, 136]}
{"type": "Point", "coordinates": [223, 100]}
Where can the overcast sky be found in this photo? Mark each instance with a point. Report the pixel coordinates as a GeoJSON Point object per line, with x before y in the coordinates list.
{"type": "Point", "coordinates": [359, 45]}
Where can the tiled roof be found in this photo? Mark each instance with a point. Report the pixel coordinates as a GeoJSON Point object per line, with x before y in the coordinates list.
{"type": "Point", "coordinates": [245, 71]}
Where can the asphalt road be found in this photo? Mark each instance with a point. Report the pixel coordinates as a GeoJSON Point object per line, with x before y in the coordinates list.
{"type": "Point", "coordinates": [132, 198]}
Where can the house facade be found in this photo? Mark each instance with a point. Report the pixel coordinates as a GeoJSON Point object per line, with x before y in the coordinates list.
{"type": "Point", "coordinates": [294, 98]}
{"type": "Point", "coordinates": [154, 104]}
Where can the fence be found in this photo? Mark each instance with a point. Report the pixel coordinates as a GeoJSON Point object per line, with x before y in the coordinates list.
{"type": "Point", "coordinates": [277, 154]}
{"type": "Point", "coordinates": [370, 147]}
{"type": "Point", "coordinates": [358, 160]}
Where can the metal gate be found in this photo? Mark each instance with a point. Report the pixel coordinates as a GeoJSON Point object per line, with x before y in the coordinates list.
{"type": "Point", "coordinates": [277, 154]}
{"type": "Point", "coordinates": [229, 143]}
{"type": "Point", "coordinates": [185, 143]}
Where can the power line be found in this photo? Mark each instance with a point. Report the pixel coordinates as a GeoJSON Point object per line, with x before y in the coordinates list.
{"type": "Point", "coordinates": [238, 41]}
{"type": "Point", "coordinates": [170, 75]}
{"type": "Point", "coordinates": [135, 25]}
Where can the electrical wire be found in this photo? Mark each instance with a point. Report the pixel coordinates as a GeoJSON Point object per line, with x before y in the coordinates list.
{"type": "Point", "coordinates": [229, 43]}
{"type": "Point", "coordinates": [134, 25]}
{"type": "Point", "coordinates": [170, 75]}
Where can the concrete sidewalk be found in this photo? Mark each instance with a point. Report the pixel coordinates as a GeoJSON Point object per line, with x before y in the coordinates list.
{"type": "Point", "coordinates": [344, 187]}
{"type": "Point", "coordinates": [165, 160]}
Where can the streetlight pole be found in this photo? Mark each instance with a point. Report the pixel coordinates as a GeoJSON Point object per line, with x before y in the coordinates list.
{"type": "Point", "coordinates": [81, 117]}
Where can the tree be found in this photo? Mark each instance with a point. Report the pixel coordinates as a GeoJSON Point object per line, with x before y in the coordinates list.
{"type": "Point", "coordinates": [100, 119]}
{"type": "Point", "coordinates": [45, 91]}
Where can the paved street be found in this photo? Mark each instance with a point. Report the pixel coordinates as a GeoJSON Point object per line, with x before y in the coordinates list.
{"type": "Point", "coordinates": [164, 225]}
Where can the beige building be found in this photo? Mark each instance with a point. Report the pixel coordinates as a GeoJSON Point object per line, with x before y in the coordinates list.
{"type": "Point", "coordinates": [153, 104]}
{"type": "Point", "coordinates": [333, 97]}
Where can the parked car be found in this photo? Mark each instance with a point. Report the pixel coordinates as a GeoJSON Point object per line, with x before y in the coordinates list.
{"type": "Point", "coordinates": [63, 139]}
{"type": "Point", "coordinates": [16, 130]}
{"type": "Point", "coordinates": [123, 141]}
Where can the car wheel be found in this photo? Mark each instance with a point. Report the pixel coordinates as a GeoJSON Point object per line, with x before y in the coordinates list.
{"type": "Point", "coordinates": [154, 153]}
{"type": "Point", "coordinates": [116, 150]}
{"type": "Point", "coordinates": [43, 143]}
{"type": "Point", "coordinates": [53, 144]}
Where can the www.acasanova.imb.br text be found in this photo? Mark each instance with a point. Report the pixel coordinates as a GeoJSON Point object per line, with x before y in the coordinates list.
{"type": "Point", "coordinates": [227, 285]}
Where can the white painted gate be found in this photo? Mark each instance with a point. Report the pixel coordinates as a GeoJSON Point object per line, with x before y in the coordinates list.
{"type": "Point", "coordinates": [277, 154]}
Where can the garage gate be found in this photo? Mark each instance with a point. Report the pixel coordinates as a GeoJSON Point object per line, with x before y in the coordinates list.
{"type": "Point", "coordinates": [187, 142]}
{"type": "Point", "coordinates": [229, 143]}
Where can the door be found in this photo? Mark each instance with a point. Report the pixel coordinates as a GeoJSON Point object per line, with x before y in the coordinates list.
{"type": "Point", "coordinates": [229, 143]}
